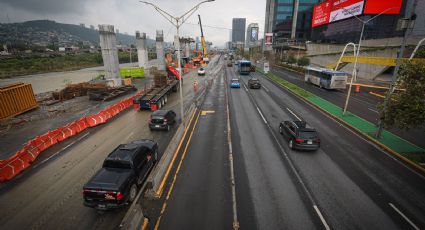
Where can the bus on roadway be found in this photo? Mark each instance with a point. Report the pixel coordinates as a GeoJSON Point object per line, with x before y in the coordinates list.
{"type": "Point", "coordinates": [326, 78]}
{"type": "Point", "coordinates": [244, 67]}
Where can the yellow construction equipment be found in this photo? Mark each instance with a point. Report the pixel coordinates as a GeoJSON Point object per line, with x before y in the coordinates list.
{"type": "Point", "coordinates": [204, 45]}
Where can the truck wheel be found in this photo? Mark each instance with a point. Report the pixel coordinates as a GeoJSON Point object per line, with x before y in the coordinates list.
{"type": "Point", "coordinates": [159, 104]}
{"type": "Point", "coordinates": [280, 129]}
{"type": "Point", "coordinates": [163, 102]}
{"type": "Point", "coordinates": [133, 193]}
{"type": "Point", "coordinates": [166, 99]}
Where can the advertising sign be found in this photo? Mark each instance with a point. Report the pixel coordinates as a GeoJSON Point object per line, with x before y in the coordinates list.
{"type": "Point", "coordinates": [268, 39]}
{"type": "Point", "coordinates": [321, 13]}
{"type": "Point", "coordinates": [342, 9]}
{"type": "Point", "coordinates": [266, 67]}
{"type": "Point", "coordinates": [254, 34]}
{"type": "Point", "coordinates": [379, 6]}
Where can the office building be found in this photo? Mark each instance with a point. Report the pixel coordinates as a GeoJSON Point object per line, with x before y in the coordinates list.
{"type": "Point", "coordinates": [238, 30]}
{"type": "Point", "coordinates": [289, 19]}
{"type": "Point", "coordinates": [328, 28]}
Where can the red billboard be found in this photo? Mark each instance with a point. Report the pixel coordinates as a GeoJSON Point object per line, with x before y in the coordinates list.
{"type": "Point", "coordinates": [321, 13]}
{"type": "Point", "coordinates": [336, 10]}
{"type": "Point", "coordinates": [379, 6]}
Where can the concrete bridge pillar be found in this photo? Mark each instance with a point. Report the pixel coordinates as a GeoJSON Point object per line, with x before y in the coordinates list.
{"type": "Point", "coordinates": [142, 52]}
{"type": "Point", "coordinates": [160, 49]}
{"type": "Point", "coordinates": [108, 44]}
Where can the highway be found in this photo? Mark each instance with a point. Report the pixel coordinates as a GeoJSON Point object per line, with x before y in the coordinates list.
{"type": "Point", "coordinates": [362, 104]}
{"type": "Point", "coordinates": [348, 184]}
{"type": "Point", "coordinates": [234, 170]}
{"type": "Point", "coordinates": [49, 194]}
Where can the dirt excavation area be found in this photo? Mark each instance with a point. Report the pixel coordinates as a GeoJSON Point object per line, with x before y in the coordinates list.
{"type": "Point", "coordinates": [60, 107]}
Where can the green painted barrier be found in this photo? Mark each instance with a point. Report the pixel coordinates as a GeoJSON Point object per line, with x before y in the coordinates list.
{"type": "Point", "coordinates": [132, 72]}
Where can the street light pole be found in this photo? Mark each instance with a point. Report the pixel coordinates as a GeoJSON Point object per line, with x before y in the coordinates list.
{"type": "Point", "coordinates": [177, 22]}
{"type": "Point", "coordinates": [354, 77]}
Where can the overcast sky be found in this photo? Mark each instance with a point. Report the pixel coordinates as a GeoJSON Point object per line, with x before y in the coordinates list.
{"type": "Point", "coordinates": [131, 15]}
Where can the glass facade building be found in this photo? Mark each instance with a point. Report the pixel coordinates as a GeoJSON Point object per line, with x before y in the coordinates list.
{"type": "Point", "coordinates": [238, 30]}
{"type": "Point", "coordinates": [283, 13]}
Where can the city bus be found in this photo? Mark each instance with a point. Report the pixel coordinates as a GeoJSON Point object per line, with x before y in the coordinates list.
{"type": "Point", "coordinates": [326, 78]}
{"type": "Point", "coordinates": [244, 67]}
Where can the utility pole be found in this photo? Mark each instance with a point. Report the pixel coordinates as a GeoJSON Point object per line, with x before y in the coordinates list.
{"type": "Point", "coordinates": [408, 17]}
{"type": "Point", "coordinates": [178, 22]}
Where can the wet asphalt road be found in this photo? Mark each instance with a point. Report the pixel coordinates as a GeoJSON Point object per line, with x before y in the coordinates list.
{"type": "Point", "coordinates": [347, 184]}
{"type": "Point", "coordinates": [49, 194]}
{"type": "Point", "coordinates": [362, 104]}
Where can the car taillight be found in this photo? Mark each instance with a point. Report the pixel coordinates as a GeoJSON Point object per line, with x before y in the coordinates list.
{"type": "Point", "coordinates": [318, 140]}
{"type": "Point", "coordinates": [165, 121]}
{"type": "Point", "coordinates": [298, 140]}
{"type": "Point", "coordinates": [120, 196]}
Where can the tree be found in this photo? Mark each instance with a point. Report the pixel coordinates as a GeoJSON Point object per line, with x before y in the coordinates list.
{"type": "Point", "coordinates": [406, 109]}
{"type": "Point", "coordinates": [303, 61]}
{"type": "Point", "coordinates": [291, 59]}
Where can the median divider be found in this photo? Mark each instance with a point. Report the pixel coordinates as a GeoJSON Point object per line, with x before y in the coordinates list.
{"type": "Point", "coordinates": [158, 176]}
{"type": "Point", "coordinates": [391, 143]}
{"type": "Point", "coordinates": [22, 159]}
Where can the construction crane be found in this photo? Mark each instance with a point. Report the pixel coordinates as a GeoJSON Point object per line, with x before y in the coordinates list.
{"type": "Point", "coordinates": [204, 45]}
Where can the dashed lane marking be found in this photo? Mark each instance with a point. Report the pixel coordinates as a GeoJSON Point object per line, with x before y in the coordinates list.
{"type": "Point", "coordinates": [404, 216]}
{"type": "Point", "coordinates": [293, 114]}
{"type": "Point", "coordinates": [261, 114]}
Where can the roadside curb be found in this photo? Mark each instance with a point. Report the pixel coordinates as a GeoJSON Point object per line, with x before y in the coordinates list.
{"type": "Point", "coordinates": [354, 129]}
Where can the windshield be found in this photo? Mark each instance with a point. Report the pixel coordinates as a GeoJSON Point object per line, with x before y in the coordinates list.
{"type": "Point", "coordinates": [235, 81]}
{"type": "Point", "coordinates": [117, 164]}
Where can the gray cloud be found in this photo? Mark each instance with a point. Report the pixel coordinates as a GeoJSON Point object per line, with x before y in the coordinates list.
{"type": "Point", "coordinates": [48, 6]}
{"type": "Point", "coordinates": [131, 15]}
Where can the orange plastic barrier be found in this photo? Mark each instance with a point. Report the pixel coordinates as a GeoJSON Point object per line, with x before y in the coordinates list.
{"type": "Point", "coordinates": [22, 159]}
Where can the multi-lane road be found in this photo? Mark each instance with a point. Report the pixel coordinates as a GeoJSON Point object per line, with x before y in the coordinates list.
{"type": "Point", "coordinates": [348, 184]}
{"type": "Point", "coordinates": [49, 194]}
{"type": "Point", "coordinates": [234, 170]}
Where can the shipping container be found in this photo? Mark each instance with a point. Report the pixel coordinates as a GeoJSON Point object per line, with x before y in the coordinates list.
{"type": "Point", "coordinates": [16, 99]}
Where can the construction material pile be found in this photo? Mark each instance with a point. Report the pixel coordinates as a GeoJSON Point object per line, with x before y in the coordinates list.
{"type": "Point", "coordinates": [77, 90]}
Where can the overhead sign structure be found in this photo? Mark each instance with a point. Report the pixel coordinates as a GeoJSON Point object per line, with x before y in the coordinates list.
{"type": "Point", "coordinates": [268, 39]}
{"type": "Point", "coordinates": [336, 10]}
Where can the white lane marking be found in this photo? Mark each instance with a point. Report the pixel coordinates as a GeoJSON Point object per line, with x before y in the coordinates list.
{"type": "Point", "coordinates": [64, 148]}
{"type": "Point", "coordinates": [129, 135]}
{"type": "Point", "coordinates": [261, 114]}
{"type": "Point", "coordinates": [246, 89]}
{"type": "Point", "coordinates": [267, 90]}
{"type": "Point", "coordinates": [293, 114]}
{"type": "Point", "coordinates": [404, 216]}
{"type": "Point", "coordinates": [321, 218]}
{"type": "Point", "coordinates": [232, 174]}
{"type": "Point", "coordinates": [375, 111]}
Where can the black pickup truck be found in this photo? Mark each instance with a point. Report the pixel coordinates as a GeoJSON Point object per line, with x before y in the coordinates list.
{"type": "Point", "coordinates": [123, 172]}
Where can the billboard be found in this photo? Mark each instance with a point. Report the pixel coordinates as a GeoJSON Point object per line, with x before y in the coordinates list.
{"type": "Point", "coordinates": [379, 6]}
{"type": "Point", "coordinates": [342, 9]}
{"type": "Point", "coordinates": [268, 39]}
{"type": "Point", "coordinates": [321, 13]}
{"type": "Point", "coordinates": [254, 34]}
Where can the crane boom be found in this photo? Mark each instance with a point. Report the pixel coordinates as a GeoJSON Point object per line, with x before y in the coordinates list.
{"type": "Point", "coordinates": [204, 46]}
